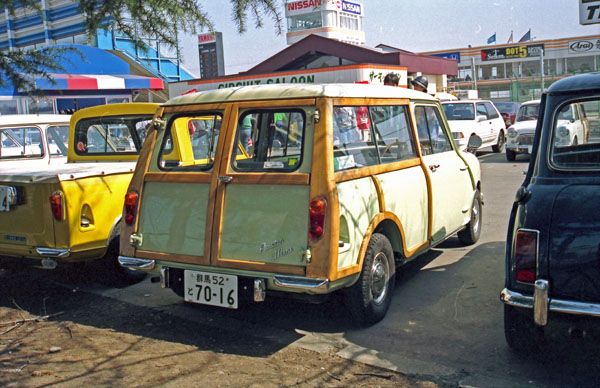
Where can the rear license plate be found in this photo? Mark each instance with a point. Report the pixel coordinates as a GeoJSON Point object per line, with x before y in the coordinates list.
{"type": "Point", "coordinates": [211, 288]}
{"type": "Point", "coordinates": [8, 196]}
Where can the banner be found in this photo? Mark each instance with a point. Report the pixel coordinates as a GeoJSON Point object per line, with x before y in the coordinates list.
{"type": "Point", "coordinates": [514, 52]}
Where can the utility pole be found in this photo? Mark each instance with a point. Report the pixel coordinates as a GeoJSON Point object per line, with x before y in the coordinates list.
{"type": "Point", "coordinates": [542, 69]}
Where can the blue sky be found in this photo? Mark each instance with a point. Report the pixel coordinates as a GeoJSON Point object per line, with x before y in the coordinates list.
{"type": "Point", "coordinates": [418, 26]}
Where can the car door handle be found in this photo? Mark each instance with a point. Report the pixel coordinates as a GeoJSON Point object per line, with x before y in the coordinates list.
{"type": "Point", "coordinates": [434, 167]}
{"type": "Point", "coordinates": [465, 168]}
{"type": "Point", "coordinates": [225, 179]}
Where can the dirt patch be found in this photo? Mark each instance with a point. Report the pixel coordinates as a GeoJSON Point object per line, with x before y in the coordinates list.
{"type": "Point", "coordinates": [60, 353]}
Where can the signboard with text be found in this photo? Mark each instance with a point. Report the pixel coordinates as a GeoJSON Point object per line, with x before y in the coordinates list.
{"type": "Point", "coordinates": [453, 55]}
{"type": "Point", "coordinates": [589, 12]}
{"type": "Point", "coordinates": [584, 46]}
{"type": "Point", "coordinates": [513, 52]}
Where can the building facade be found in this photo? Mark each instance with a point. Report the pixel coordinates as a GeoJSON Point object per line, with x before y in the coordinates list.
{"type": "Point", "coordinates": [521, 71]}
{"type": "Point", "coordinates": [62, 23]}
{"type": "Point", "coordinates": [335, 19]}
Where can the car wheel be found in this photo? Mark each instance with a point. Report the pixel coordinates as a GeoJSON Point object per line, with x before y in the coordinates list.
{"type": "Point", "coordinates": [114, 273]}
{"type": "Point", "coordinates": [520, 332]}
{"type": "Point", "coordinates": [511, 155]}
{"type": "Point", "coordinates": [470, 234]}
{"type": "Point", "coordinates": [499, 147]}
{"type": "Point", "coordinates": [369, 298]}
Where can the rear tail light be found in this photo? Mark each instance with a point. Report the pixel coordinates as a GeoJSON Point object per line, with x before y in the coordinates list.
{"type": "Point", "coordinates": [56, 205]}
{"type": "Point", "coordinates": [131, 201]}
{"type": "Point", "coordinates": [316, 211]}
{"type": "Point", "coordinates": [525, 255]}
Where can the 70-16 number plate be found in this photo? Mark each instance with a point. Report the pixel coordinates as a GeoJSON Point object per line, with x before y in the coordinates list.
{"type": "Point", "coordinates": [211, 288]}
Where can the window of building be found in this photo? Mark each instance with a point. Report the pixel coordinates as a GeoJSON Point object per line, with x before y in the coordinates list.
{"type": "Point", "coordinates": [580, 64]}
{"type": "Point", "coordinates": [8, 107]}
{"type": "Point", "coordinates": [305, 22]}
{"type": "Point", "coordinates": [349, 22]}
{"type": "Point", "coordinates": [330, 19]}
{"type": "Point", "coordinates": [38, 106]}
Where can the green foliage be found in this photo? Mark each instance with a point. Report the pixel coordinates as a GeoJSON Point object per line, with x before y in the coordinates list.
{"type": "Point", "coordinates": [136, 19]}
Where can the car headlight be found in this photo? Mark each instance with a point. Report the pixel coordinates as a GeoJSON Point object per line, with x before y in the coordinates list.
{"type": "Point", "coordinates": [563, 131]}
{"type": "Point", "coordinates": [512, 132]}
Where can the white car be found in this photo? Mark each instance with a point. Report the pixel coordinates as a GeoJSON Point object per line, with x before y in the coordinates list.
{"type": "Point", "coordinates": [572, 128]}
{"type": "Point", "coordinates": [33, 139]}
{"type": "Point", "coordinates": [519, 138]}
{"type": "Point", "coordinates": [475, 117]}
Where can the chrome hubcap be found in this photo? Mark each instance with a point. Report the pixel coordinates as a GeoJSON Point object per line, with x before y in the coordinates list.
{"type": "Point", "coordinates": [379, 277]}
{"type": "Point", "coordinates": [475, 215]}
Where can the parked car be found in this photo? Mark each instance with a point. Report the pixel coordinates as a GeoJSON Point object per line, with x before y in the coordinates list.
{"type": "Point", "coordinates": [519, 139]}
{"type": "Point", "coordinates": [475, 117]}
{"type": "Point", "coordinates": [311, 204]}
{"type": "Point", "coordinates": [552, 271]}
{"type": "Point", "coordinates": [573, 128]}
{"type": "Point", "coordinates": [72, 212]}
{"type": "Point", "coordinates": [39, 140]}
{"type": "Point", "coordinates": [508, 111]}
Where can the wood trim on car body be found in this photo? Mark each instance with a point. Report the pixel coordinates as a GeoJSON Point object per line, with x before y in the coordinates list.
{"type": "Point", "coordinates": [137, 183]}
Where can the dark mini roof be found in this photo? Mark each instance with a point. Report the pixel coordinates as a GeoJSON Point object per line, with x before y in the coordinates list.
{"type": "Point", "coordinates": [581, 82]}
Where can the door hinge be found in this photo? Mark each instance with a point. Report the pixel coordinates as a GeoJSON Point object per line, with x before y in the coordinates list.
{"type": "Point", "coordinates": [136, 240]}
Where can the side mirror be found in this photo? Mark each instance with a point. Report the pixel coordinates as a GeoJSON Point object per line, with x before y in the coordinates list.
{"type": "Point", "coordinates": [474, 142]}
{"type": "Point", "coordinates": [481, 118]}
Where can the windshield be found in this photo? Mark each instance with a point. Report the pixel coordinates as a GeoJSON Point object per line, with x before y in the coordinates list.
{"type": "Point", "coordinates": [528, 112]}
{"type": "Point", "coordinates": [459, 111]}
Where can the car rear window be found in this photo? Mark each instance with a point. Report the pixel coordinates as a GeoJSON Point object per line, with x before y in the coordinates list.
{"type": "Point", "coordinates": [111, 135]}
{"type": "Point", "coordinates": [21, 143]}
{"type": "Point", "coordinates": [57, 137]}
{"type": "Point", "coordinates": [528, 112]}
{"type": "Point", "coordinates": [190, 142]}
{"type": "Point", "coordinates": [575, 137]}
{"type": "Point", "coordinates": [269, 140]}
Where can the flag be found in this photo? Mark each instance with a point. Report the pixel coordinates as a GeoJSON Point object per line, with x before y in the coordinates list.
{"type": "Point", "coordinates": [526, 37]}
{"type": "Point", "coordinates": [510, 40]}
{"type": "Point", "coordinates": [492, 39]}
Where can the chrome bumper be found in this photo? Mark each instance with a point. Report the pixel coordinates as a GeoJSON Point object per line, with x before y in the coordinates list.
{"type": "Point", "coordinates": [542, 304]}
{"type": "Point", "coordinates": [135, 263]}
{"type": "Point", "coordinates": [300, 282]}
{"type": "Point", "coordinates": [53, 252]}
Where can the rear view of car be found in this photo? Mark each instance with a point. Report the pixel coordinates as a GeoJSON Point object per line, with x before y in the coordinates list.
{"type": "Point", "coordinates": [552, 273]}
{"type": "Point", "coordinates": [508, 111]}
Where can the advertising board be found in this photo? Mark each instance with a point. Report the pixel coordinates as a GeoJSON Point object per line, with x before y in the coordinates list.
{"type": "Point", "coordinates": [512, 52]}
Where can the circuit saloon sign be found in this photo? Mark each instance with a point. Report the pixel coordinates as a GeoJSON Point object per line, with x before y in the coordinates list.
{"type": "Point", "coordinates": [513, 52]}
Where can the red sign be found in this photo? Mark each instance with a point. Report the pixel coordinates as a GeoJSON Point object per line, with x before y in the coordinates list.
{"type": "Point", "coordinates": [206, 38]}
{"type": "Point", "coordinates": [302, 4]}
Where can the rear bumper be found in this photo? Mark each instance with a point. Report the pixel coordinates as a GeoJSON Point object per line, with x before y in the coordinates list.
{"type": "Point", "coordinates": [278, 282]}
{"type": "Point", "coordinates": [541, 303]}
{"type": "Point", "coordinates": [58, 254]}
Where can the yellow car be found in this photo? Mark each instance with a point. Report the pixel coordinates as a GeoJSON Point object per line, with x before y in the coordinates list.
{"type": "Point", "coordinates": [72, 212]}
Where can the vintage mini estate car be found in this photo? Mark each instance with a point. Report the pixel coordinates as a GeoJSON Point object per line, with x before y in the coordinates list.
{"type": "Point", "coordinates": [552, 250]}
{"type": "Point", "coordinates": [476, 118]}
{"type": "Point", "coordinates": [39, 140]}
{"type": "Point", "coordinates": [288, 188]}
{"type": "Point", "coordinates": [72, 211]}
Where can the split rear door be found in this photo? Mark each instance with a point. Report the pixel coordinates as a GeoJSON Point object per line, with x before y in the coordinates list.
{"type": "Point", "coordinates": [228, 186]}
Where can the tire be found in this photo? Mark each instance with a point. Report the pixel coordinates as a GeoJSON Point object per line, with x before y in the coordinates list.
{"type": "Point", "coordinates": [470, 234]}
{"type": "Point", "coordinates": [521, 333]}
{"type": "Point", "coordinates": [499, 147]}
{"type": "Point", "coordinates": [511, 155]}
{"type": "Point", "coordinates": [114, 273]}
{"type": "Point", "coordinates": [369, 298]}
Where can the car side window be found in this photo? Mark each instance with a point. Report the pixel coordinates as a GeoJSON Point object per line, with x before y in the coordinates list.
{"type": "Point", "coordinates": [481, 111]}
{"type": "Point", "coordinates": [392, 131]}
{"type": "Point", "coordinates": [23, 142]}
{"type": "Point", "coordinates": [575, 142]}
{"type": "Point", "coordinates": [57, 138]}
{"type": "Point", "coordinates": [353, 141]}
{"type": "Point", "coordinates": [108, 135]}
{"type": "Point", "coordinates": [432, 137]}
{"type": "Point", "coordinates": [492, 113]}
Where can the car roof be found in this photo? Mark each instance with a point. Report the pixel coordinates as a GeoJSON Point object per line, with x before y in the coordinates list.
{"type": "Point", "coordinates": [288, 91]}
{"type": "Point", "coordinates": [576, 83]}
{"type": "Point", "coordinates": [9, 120]}
{"type": "Point", "coordinates": [531, 102]}
{"type": "Point", "coordinates": [464, 101]}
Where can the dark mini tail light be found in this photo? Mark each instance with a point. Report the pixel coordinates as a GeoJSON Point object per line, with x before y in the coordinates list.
{"type": "Point", "coordinates": [316, 211]}
{"type": "Point", "coordinates": [525, 255]}
{"type": "Point", "coordinates": [56, 205]}
{"type": "Point", "coordinates": [131, 200]}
